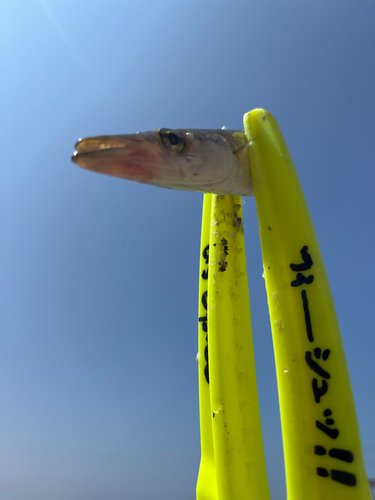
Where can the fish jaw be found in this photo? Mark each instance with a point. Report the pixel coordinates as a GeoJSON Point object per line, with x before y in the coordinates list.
{"type": "Point", "coordinates": [128, 157]}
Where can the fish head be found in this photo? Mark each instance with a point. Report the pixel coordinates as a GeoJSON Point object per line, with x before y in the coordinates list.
{"type": "Point", "coordinates": [191, 160]}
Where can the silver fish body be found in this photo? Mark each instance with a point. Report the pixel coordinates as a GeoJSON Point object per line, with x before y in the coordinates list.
{"type": "Point", "coordinates": [209, 161]}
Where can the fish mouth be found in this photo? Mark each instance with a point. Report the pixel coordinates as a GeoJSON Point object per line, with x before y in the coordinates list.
{"type": "Point", "coordinates": [93, 149]}
{"type": "Point", "coordinates": [96, 144]}
{"type": "Point", "coordinates": [128, 157]}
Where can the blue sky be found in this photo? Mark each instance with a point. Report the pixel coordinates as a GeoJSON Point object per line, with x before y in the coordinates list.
{"type": "Point", "coordinates": [99, 285]}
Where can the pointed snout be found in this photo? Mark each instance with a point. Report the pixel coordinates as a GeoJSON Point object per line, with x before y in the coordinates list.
{"type": "Point", "coordinates": [133, 157]}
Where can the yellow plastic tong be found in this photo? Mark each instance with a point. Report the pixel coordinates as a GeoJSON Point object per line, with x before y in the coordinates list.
{"type": "Point", "coordinates": [322, 450]}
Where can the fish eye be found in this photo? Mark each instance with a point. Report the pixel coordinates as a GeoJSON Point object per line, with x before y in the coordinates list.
{"type": "Point", "coordinates": [172, 140]}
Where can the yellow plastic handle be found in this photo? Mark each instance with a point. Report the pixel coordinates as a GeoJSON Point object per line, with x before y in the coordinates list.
{"type": "Point", "coordinates": [206, 485]}
{"type": "Point", "coordinates": [322, 450]}
{"type": "Point", "coordinates": [232, 464]}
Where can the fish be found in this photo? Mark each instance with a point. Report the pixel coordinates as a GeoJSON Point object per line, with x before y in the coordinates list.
{"type": "Point", "coordinates": [208, 161]}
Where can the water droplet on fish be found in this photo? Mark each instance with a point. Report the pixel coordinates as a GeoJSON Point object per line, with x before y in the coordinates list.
{"type": "Point", "coordinates": [286, 370]}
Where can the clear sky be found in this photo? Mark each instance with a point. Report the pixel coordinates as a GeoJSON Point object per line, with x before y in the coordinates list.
{"type": "Point", "coordinates": [99, 276]}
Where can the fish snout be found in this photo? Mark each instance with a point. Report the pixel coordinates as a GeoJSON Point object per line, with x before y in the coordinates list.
{"type": "Point", "coordinates": [131, 157]}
